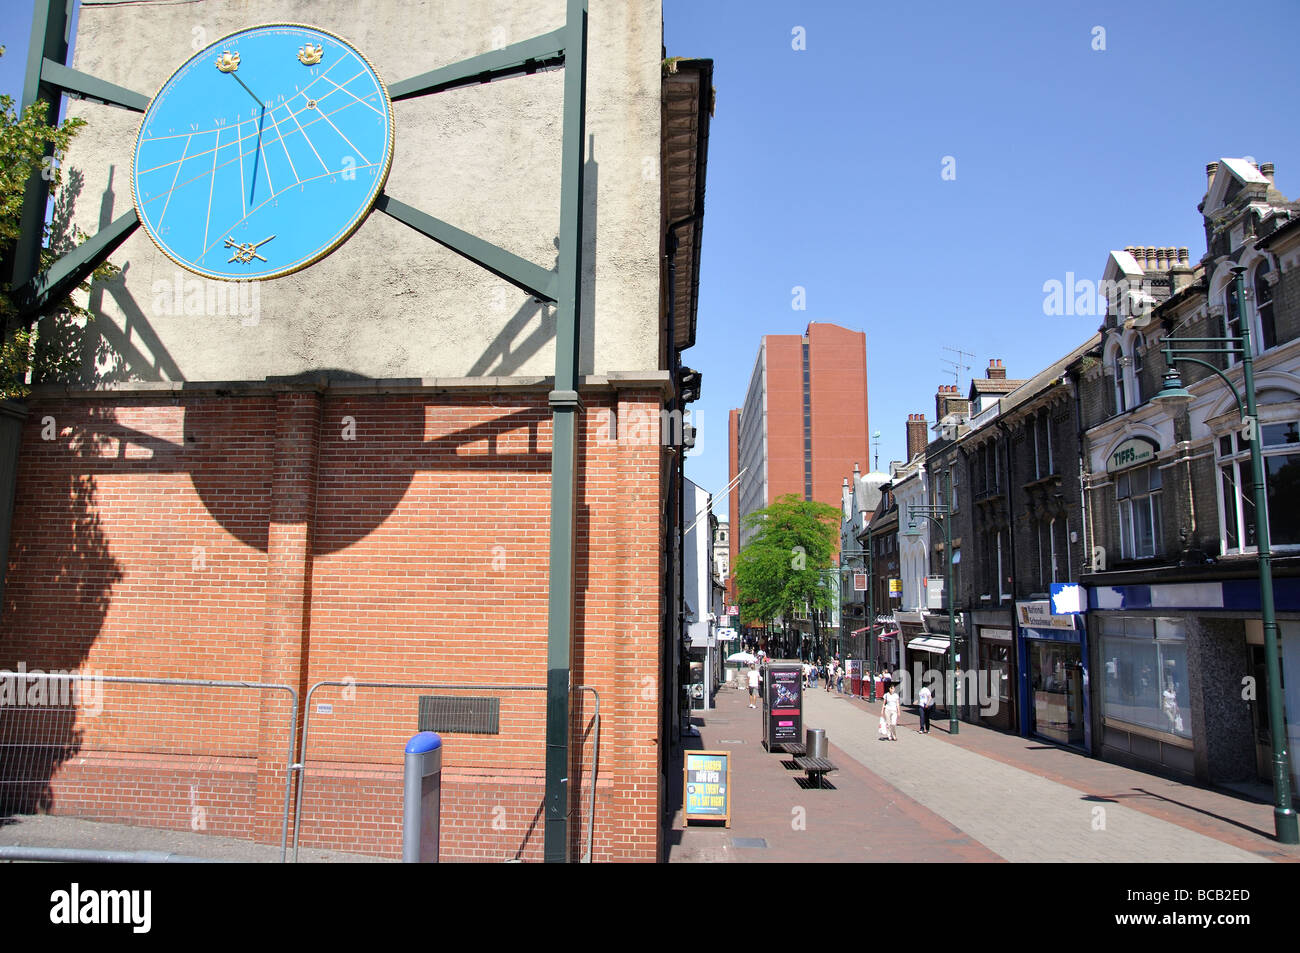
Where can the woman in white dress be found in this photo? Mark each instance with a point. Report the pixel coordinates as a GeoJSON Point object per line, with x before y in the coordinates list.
{"type": "Point", "coordinates": [889, 712]}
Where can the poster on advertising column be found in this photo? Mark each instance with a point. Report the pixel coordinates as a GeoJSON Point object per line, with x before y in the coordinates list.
{"type": "Point", "coordinates": [782, 704]}
{"type": "Point", "coordinates": [708, 786]}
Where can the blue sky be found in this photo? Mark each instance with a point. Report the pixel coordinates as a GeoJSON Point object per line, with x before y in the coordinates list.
{"type": "Point", "coordinates": [825, 171]}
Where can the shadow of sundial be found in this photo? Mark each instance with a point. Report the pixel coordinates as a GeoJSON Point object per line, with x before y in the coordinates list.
{"type": "Point", "coordinates": [364, 471]}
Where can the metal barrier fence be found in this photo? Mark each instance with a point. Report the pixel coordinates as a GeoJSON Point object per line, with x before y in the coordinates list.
{"type": "Point", "coordinates": [353, 735]}
{"type": "Point", "coordinates": [174, 753]}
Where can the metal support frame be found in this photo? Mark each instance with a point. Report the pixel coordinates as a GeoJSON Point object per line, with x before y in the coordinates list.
{"type": "Point", "coordinates": [77, 677]}
{"type": "Point", "coordinates": [1178, 350]}
{"type": "Point", "coordinates": [48, 76]}
{"type": "Point", "coordinates": [300, 766]}
{"type": "Point", "coordinates": [941, 513]}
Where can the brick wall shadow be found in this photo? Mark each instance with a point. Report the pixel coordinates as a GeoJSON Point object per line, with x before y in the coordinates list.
{"type": "Point", "coordinates": [59, 558]}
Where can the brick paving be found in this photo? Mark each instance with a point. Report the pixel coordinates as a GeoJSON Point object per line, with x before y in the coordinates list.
{"type": "Point", "coordinates": [980, 796]}
{"type": "Point", "coordinates": [859, 818]}
{"type": "Point", "coordinates": [1235, 819]}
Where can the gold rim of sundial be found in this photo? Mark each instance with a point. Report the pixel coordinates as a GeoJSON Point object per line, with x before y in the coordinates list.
{"type": "Point", "coordinates": [344, 233]}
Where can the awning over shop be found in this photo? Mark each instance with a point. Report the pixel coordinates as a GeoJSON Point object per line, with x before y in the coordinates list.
{"type": "Point", "coordinates": [935, 646]}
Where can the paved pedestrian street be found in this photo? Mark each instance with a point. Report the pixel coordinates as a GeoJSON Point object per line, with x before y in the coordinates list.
{"type": "Point", "coordinates": [981, 796]}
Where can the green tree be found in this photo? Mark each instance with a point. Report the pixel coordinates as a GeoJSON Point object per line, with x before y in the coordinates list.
{"type": "Point", "coordinates": [30, 146]}
{"type": "Point", "coordinates": [781, 568]}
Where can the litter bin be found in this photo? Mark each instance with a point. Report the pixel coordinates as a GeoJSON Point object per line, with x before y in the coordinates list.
{"type": "Point", "coordinates": [815, 742]}
{"type": "Point", "coordinates": [421, 801]}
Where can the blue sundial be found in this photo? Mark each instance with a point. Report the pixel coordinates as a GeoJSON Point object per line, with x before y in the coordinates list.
{"type": "Point", "coordinates": [263, 153]}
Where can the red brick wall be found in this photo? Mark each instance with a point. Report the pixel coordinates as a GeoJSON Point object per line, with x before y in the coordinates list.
{"type": "Point", "coordinates": [296, 537]}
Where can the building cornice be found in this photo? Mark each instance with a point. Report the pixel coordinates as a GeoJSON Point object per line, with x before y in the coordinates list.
{"type": "Point", "coordinates": [325, 384]}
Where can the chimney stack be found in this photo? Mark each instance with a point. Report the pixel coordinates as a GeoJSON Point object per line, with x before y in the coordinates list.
{"type": "Point", "coordinates": [996, 371]}
{"type": "Point", "coordinates": [1210, 169]}
{"type": "Point", "coordinates": [948, 400]}
{"type": "Point", "coordinates": [916, 435]}
{"type": "Point", "coordinates": [1266, 170]}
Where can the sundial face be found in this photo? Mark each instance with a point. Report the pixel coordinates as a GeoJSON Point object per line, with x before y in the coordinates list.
{"type": "Point", "coordinates": [262, 153]}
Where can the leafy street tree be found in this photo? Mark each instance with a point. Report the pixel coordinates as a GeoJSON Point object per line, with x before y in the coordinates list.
{"type": "Point", "coordinates": [29, 145]}
{"type": "Point", "coordinates": [782, 567]}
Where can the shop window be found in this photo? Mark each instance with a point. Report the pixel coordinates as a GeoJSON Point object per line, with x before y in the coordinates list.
{"type": "Point", "coordinates": [1280, 445]}
{"type": "Point", "coordinates": [1138, 495]}
{"type": "Point", "coordinates": [1145, 674]}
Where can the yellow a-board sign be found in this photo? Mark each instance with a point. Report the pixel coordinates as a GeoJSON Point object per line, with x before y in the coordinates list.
{"type": "Point", "coordinates": [707, 785]}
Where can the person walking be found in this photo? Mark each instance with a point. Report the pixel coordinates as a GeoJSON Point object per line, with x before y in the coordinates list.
{"type": "Point", "coordinates": [753, 686]}
{"type": "Point", "coordinates": [889, 711]}
{"type": "Point", "coordinates": [924, 701]}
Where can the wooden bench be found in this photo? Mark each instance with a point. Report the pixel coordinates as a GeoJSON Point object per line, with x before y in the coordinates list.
{"type": "Point", "coordinates": [796, 748]}
{"type": "Point", "coordinates": [815, 767]}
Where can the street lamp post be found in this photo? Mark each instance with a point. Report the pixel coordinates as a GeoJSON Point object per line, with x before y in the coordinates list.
{"type": "Point", "coordinates": [942, 513]}
{"type": "Point", "coordinates": [1174, 394]}
{"type": "Point", "coordinates": [871, 610]}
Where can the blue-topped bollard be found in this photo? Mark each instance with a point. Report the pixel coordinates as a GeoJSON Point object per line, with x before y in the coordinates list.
{"type": "Point", "coordinates": [421, 801]}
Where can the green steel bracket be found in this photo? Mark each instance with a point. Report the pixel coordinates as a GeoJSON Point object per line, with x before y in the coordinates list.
{"type": "Point", "coordinates": [517, 59]}
{"type": "Point", "coordinates": [564, 440]}
{"type": "Point", "coordinates": [70, 270]}
{"type": "Point", "coordinates": [565, 399]}
{"type": "Point", "coordinates": [86, 86]}
{"type": "Point", "coordinates": [46, 76]}
{"type": "Point", "coordinates": [1176, 355]}
{"type": "Point", "coordinates": [520, 272]}
{"type": "Point", "coordinates": [48, 42]}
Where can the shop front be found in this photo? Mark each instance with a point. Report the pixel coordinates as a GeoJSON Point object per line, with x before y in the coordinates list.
{"type": "Point", "coordinates": [1054, 683]}
{"type": "Point", "coordinates": [1145, 696]}
{"type": "Point", "coordinates": [996, 660]}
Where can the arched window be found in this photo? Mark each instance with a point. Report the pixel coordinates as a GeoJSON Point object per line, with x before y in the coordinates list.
{"type": "Point", "coordinates": [1264, 307]}
{"type": "Point", "coordinates": [1137, 371]}
{"type": "Point", "coordinates": [1280, 445]}
{"type": "Point", "coordinates": [1231, 316]}
{"type": "Point", "coordinates": [1117, 367]}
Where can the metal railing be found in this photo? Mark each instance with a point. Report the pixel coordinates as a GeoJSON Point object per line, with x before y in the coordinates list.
{"type": "Point", "coordinates": [516, 739]}
{"type": "Point", "coordinates": [46, 719]}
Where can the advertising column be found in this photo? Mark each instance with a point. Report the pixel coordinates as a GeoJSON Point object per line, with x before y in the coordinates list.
{"type": "Point", "coordinates": [782, 703]}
